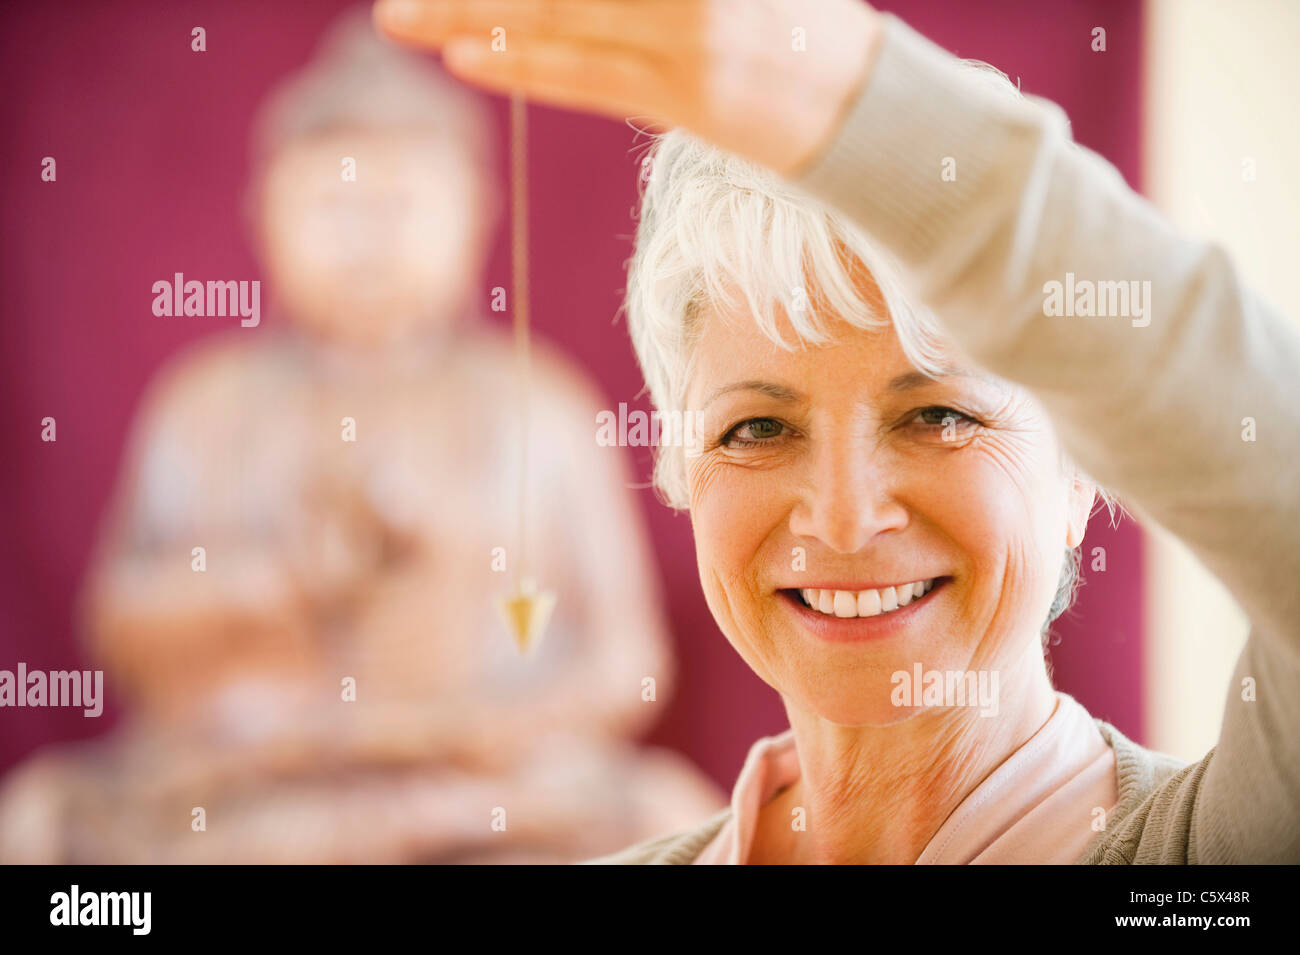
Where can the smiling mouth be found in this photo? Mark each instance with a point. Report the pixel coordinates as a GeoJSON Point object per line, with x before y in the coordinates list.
{"type": "Point", "coordinates": [848, 604]}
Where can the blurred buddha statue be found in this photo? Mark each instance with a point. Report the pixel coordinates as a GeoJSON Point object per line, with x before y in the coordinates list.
{"type": "Point", "coordinates": [335, 684]}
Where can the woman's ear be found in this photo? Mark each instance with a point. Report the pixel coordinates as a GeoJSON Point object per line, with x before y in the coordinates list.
{"type": "Point", "coordinates": [1083, 494]}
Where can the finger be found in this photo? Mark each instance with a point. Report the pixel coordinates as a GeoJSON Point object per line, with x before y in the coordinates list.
{"type": "Point", "coordinates": [431, 23]}
{"type": "Point", "coordinates": [605, 80]}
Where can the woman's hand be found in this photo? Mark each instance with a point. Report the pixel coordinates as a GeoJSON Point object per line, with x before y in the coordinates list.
{"type": "Point", "coordinates": [765, 79]}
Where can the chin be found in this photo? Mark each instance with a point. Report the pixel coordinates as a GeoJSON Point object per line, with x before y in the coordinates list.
{"type": "Point", "coordinates": [863, 701]}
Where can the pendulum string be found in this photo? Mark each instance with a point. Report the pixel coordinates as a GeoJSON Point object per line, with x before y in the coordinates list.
{"type": "Point", "coordinates": [523, 342]}
{"type": "Point", "coordinates": [528, 610]}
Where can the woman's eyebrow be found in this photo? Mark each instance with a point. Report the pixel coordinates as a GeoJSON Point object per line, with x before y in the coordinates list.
{"type": "Point", "coordinates": [916, 379]}
{"type": "Point", "coordinates": [904, 382]}
{"type": "Point", "coordinates": [779, 392]}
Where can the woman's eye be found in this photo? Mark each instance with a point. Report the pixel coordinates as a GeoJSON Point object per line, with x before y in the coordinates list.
{"type": "Point", "coordinates": [752, 432]}
{"type": "Point", "coordinates": [942, 417]}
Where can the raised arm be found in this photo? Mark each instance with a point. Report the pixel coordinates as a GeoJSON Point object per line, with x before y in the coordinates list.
{"type": "Point", "coordinates": [1156, 402]}
{"type": "Point", "coordinates": [1184, 403]}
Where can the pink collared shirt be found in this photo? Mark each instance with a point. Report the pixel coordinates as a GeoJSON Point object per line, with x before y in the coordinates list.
{"type": "Point", "coordinates": [1039, 806]}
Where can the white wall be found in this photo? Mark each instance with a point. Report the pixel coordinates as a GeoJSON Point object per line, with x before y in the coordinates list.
{"type": "Point", "coordinates": [1223, 86]}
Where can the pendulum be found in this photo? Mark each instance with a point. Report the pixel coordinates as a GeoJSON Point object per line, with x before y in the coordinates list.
{"type": "Point", "coordinates": [528, 609]}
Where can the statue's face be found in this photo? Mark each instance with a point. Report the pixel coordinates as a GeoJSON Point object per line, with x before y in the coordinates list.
{"type": "Point", "coordinates": [370, 236]}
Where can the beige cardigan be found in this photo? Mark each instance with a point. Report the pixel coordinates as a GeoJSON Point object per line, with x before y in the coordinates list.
{"type": "Point", "coordinates": [1152, 406]}
{"type": "Point", "coordinates": [1140, 772]}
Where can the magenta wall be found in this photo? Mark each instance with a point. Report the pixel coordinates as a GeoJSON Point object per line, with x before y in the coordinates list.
{"type": "Point", "coordinates": [150, 143]}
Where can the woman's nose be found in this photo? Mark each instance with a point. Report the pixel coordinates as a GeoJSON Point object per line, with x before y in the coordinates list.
{"type": "Point", "coordinates": [847, 499]}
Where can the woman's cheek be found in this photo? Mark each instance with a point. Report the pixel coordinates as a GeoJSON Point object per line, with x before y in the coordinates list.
{"type": "Point", "coordinates": [729, 533]}
{"type": "Point", "coordinates": [704, 478]}
{"type": "Point", "coordinates": [986, 490]}
{"type": "Point", "coordinates": [1007, 527]}
{"type": "Point", "coordinates": [734, 499]}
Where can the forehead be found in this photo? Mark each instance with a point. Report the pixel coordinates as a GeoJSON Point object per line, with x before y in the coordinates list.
{"type": "Point", "coordinates": [730, 346]}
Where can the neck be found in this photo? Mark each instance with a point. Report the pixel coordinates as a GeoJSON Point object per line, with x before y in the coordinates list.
{"type": "Point", "coordinates": [880, 794]}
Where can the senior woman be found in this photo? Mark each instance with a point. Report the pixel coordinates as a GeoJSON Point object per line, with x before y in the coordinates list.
{"type": "Point", "coordinates": [859, 287]}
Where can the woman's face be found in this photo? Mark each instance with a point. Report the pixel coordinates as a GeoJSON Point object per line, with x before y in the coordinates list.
{"type": "Point", "coordinates": [838, 467]}
{"type": "Point", "coordinates": [371, 235]}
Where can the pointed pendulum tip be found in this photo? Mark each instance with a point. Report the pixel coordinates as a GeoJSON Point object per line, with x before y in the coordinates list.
{"type": "Point", "coordinates": [526, 612]}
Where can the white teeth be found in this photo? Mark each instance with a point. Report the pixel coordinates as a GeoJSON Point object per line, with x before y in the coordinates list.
{"type": "Point", "coordinates": [865, 603]}
{"type": "Point", "coordinates": [846, 604]}
{"type": "Point", "coordinates": [868, 603]}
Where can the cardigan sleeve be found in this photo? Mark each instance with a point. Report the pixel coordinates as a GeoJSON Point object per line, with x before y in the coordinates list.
{"type": "Point", "coordinates": [1182, 399]}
